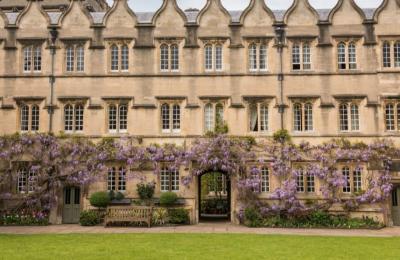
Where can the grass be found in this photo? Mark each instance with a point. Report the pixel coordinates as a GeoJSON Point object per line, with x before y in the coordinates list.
{"type": "Point", "coordinates": [195, 246]}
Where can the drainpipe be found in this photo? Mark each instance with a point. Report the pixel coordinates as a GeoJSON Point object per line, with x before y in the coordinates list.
{"type": "Point", "coordinates": [52, 79]}
{"type": "Point", "coordinates": [280, 41]}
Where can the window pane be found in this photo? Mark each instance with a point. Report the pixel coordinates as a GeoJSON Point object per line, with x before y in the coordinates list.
{"type": "Point", "coordinates": [77, 197]}
{"type": "Point", "coordinates": [352, 56]}
{"type": "Point", "coordinates": [79, 118]}
{"type": "Point", "coordinates": [218, 57]}
{"type": "Point", "coordinates": [164, 179]}
{"type": "Point", "coordinates": [264, 118]}
{"type": "Point", "coordinates": [386, 55]}
{"type": "Point", "coordinates": [164, 57]}
{"type": "Point", "coordinates": [209, 117]}
{"type": "Point", "coordinates": [397, 54]}
{"type": "Point", "coordinates": [346, 176]}
{"type": "Point", "coordinates": [265, 179]}
{"type": "Point", "coordinates": [176, 117]}
{"type": "Point", "coordinates": [208, 57]}
{"type": "Point", "coordinates": [21, 183]}
{"type": "Point", "coordinates": [114, 58]}
{"type": "Point", "coordinates": [341, 56]}
{"type": "Point", "coordinates": [253, 57]}
{"type": "Point", "coordinates": [298, 117]}
{"type": "Point", "coordinates": [32, 181]}
{"type": "Point", "coordinates": [111, 179]}
{"type": "Point", "coordinates": [68, 118]}
{"type": "Point", "coordinates": [263, 57]}
{"type": "Point", "coordinates": [253, 118]}
{"type": "Point", "coordinates": [174, 180]}
{"type": "Point", "coordinates": [389, 117]}
{"type": "Point", "coordinates": [112, 118]}
{"type": "Point", "coordinates": [67, 196]}
{"type": "Point", "coordinates": [28, 59]}
{"type": "Point", "coordinates": [174, 57]}
{"type": "Point", "coordinates": [37, 59]}
{"type": "Point", "coordinates": [24, 118]}
{"type": "Point", "coordinates": [355, 118]}
{"type": "Point", "coordinates": [219, 114]}
{"type": "Point", "coordinates": [123, 117]}
{"type": "Point", "coordinates": [165, 117]}
{"type": "Point", "coordinates": [300, 180]}
{"type": "Point", "coordinates": [70, 58]}
{"type": "Point", "coordinates": [296, 57]}
{"type": "Point", "coordinates": [308, 117]}
{"type": "Point", "coordinates": [124, 58]}
{"type": "Point", "coordinates": [35, 118]}
{"type": "Point", "coordinates": [398, 116]}
{"type": "Point", "coordinates": [357, 180]}
{"type": "Point", "coordinates": [122, 179]}
{"type": "Point", "coordinates": [80, 59]}
{"type": "Point", "coordinates": [306, 57]}
{"type": "Point", "coordinates": [310, 183]}
{"type": "Point", "coordinates": [343, 118]}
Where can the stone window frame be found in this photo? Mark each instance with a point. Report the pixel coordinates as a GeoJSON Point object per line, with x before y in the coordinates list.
{"type": "Point", "coordinates": [349, 103]}
{"type": "Point", "coordinates": [118, 104]}
{"type": "Point", "coordinates": [75, 44]}
{"type": "Point", "coordinates": [74, 104]}
{"type": "Point", "coordinates": [171, 104]}
{"type": "Point", "coordinates": [301, 43]}
{"type": "Point", "coordinates": [169, 179]}
{"type": "Point", "coordinates": [305, 180]}
{"type": "Point", "coordinates": [34, 44]}
{"type": "Point", "coordinates": [117, 183]}
{"type": "Point", "coordinates": [170, 43]}
{"type": "Point", "coordinates": [30, 104]}
{"type": "Point", "coordinates": [394, 48]}
{"type": "Point", "coordinates": [303, 102]}
{"type": "Point", "coordinates": [214, 104]}
{"type": "Point", "coordinates": [258, 43]}
{"type": "Point", "coordinates": [263, 166]}
{"type": "Point", "coordinates": [120, 44]}
{"type": "Point", "coordinates": [27, 179]}
{"type": "Point", "coordinates": [396, 114]}
{"type": "Point", "coordinates": [260, 103]}
{"type": "Point", "coordinates": [348, 42]}
{"type": "Point", "coordinates": [354, 183]}
{"type": "Point", "coordinates": [214, 43]}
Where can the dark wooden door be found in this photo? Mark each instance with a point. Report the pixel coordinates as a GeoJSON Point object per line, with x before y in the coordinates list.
{"type": "Point", "coordinates": [72, 205]}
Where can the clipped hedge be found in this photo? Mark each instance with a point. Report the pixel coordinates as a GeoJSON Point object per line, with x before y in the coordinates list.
{"type": "Point", "coordinates": [89, 218]}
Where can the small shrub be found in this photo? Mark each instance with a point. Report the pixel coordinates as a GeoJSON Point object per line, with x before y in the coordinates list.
{"type": "Point", "coordinates": [282, 136]}
{"type": "Point", "coordinates": [178, 216]}
{"type": "Point", "coordinates": [111, 194]}
{"type": "Point", "coordinates": [119, 196]}
{"type": "Point", "coordinates": [145, 190]}
{"type": "Point", "coordinates": [252, 217]}
{"type": "Point", "coordinates": [168, 199]}
{"type": "Point", "coordinates": [89, 218]}
{"type": "Point", "coordinates": [99, 199]}
{"type": "Point", "coordinates": [160, 216]}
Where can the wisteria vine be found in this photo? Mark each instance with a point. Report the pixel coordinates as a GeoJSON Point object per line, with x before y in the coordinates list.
{"type": "Point", "coordinates": [58, 161]}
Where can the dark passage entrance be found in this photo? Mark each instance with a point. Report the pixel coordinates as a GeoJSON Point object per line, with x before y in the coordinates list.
{"type": "Point", "coordinates": [215, 197]}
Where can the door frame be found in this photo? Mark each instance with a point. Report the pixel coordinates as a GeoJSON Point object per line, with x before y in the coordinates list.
{"type": "Point", "coordinates": [229, 194]}
{"type": "Point", "coordinates": [74, 188]}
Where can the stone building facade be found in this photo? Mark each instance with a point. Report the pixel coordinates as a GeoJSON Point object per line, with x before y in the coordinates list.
{"type": "Point", "coordinates": [168, 76]}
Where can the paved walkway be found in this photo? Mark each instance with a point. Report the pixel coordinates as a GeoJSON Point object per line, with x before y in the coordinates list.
{"type": "Point", "coordinates": [218, 228]}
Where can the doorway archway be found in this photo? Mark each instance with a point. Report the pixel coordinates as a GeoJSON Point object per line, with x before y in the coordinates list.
{"type": "Point", "coordinates": [214, 196]}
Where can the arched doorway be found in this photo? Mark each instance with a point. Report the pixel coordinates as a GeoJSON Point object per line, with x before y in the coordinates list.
{"type": "Point", "coordinates": [214, 197]}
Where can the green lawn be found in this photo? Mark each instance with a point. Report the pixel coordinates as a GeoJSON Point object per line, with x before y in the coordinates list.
{"type": "Point", "coordinates": [195, 246]}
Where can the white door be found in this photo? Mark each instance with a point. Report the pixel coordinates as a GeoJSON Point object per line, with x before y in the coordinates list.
{"type": "Point", "coordinates": [396, 206]}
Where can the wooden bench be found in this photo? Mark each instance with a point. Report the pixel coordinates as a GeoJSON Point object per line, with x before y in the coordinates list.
{"type": "Point", "coordinates": [128, 214]}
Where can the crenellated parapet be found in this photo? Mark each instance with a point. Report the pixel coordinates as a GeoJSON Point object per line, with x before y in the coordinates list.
{"type": "Point", "coordinates": [346, 19]}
